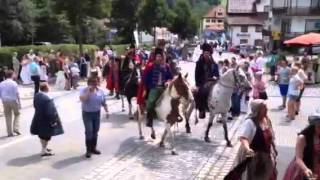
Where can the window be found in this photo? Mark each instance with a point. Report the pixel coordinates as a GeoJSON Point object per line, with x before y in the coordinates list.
{"type": "Point", "coordinates": [213, 20]}
{"type": "Point", "coordinates": [258, 42]}
{"type": "Point", "coordinates": [243, 41]}
{"type": "Point", "coordinates": [258, 28]}
{"type": "Point", "coordinates": [312, 25]}
{"type": "Point", "coordinates": [207, 26]}
{"type": "Point", "coordinates": [207, 20]}
{"type": "Point", "coordinates": [220, 14]}
{"type": "Point", "coordinates": [244, 28]}
{"type": "Point", "coordinates": [220, 21]}
{"type": "Point", "coordinates": [266, 8]}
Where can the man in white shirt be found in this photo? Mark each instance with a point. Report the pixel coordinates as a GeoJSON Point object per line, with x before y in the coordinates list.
{"type": "Point", "coordinates": [9, 95]}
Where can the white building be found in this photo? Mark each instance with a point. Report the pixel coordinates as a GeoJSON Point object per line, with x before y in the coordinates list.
{"type": "Point", "coordinates": [246, 21]}
{"type": "Point", "coordinates": [295, 17]}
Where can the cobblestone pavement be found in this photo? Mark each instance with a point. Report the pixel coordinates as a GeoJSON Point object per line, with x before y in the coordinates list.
{"type": "Point", "coordinates": [195, 160]}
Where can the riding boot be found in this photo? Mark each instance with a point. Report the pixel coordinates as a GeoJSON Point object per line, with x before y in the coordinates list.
{"type": "Point", "coordinates": [149, 119]}
{"type": "Point", "coordinates": [94, 147]}
{"type": "Point", "coordinates": [89, 146]}
{"type": "Point", "coordinates": [117, 96]}
{"type": "Point", "coordinates": [202, 114]}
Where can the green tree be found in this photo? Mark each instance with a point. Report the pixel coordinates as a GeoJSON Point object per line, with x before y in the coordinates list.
{"type": "Point", "coordinates": [16, 21]}
{"type": "Point", "coordinates": [183, 23]}
{"type": "Point", "coordinates": [51, 26]}
{"type": "Point", "coordinates": [124, 17]}
{"type": "Point", "coordinates": [154, 13]}
{"type": "Point", "coordinates": [78, 11]}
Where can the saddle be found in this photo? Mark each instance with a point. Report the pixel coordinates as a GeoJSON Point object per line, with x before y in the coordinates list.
{"type": "Point", "coordinates": [201, 96]}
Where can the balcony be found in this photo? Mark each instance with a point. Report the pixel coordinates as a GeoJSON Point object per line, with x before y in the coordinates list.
{"type": "Point", "coordinates": [296, 11]}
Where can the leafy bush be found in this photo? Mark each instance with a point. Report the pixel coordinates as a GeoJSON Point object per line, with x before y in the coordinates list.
{"type": "Point", "coordinates": [68, 49]}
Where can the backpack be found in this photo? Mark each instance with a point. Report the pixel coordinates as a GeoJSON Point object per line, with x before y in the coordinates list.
{"type": "Point", "coordinates": [33, 68]}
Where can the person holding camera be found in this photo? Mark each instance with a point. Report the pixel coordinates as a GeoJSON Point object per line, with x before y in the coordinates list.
{"type": "Point", "coordinates": [92, 98]}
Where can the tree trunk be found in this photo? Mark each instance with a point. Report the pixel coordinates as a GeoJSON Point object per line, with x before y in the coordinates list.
{"type": "Point", "coordinates": [154, 36]}
{"type": "Point", "coordinates": [80, 40]}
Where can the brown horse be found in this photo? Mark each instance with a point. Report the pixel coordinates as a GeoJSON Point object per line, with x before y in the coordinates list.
{"type": "Point", "coordinates": [171, 107]}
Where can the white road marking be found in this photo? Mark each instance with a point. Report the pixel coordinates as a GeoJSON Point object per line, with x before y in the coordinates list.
{"type": "Point", "coordinates": [16, 141]}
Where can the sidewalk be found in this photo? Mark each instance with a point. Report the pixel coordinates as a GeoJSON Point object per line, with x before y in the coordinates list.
{"type": "Point", "coordinates": [27, 92]}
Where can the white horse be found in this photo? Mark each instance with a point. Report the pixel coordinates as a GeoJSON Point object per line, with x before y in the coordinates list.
{"type": "Point", "coordinates": [171, 107]}
{"type": "Point", "coordinates": [219, 101]}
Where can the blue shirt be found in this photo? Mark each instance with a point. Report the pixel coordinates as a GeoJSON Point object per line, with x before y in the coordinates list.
{"type": "Point", "coordinates": [94, 102]}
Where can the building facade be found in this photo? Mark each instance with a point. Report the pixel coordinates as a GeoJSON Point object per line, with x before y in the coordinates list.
{"type": "Point", "coordinates": [247, 20]}
{"type": "Point", "coordinates": [214, 20]}
{"type": "Point", "coordinates": [295, 17]}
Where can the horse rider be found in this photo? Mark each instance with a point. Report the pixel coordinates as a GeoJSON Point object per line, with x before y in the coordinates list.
{"type": "Point", "coordinates": [127, 66]}
{"type": "Point", "coordinates": [155, 80]}
{"type": "Point", "coordinates": [206, 69]}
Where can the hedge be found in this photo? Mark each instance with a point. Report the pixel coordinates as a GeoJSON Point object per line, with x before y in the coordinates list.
{"type": "Point", "coordinates": [68, 49]}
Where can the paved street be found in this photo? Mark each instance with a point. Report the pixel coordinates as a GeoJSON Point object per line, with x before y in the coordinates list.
{"type": "Point", "coordinates": [125, 156]}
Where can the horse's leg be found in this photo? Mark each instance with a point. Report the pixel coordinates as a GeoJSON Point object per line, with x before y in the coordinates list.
{"type": "Point", "coordinates": [196, 120]}
{"type": "Point", "coordinates": [139, 119]}
{"type": "Point", "coordinates": [153, 133]}
{"type": "Point", "coordinates": [206, 136]}
{"type": "Point", "coordinates": [172, 144]}
{"type": "Point", "coordinates": [130, 108]}
{"type": "Point", "coordinates": [225, 128]}
{"type": "Point", "coordinates": [163, 137]}
{"type": "Point", "coordinates": [188, 115]}
{"type": "Point", "coordinates": [122, 102]}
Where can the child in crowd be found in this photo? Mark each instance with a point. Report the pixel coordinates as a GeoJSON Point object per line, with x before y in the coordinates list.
{"type": "Point", "coordinates": [283, 77]}
{"type": "Point", "coordinates": [259, 87]}
{"type": "Point", "coordinates": [295, 85]}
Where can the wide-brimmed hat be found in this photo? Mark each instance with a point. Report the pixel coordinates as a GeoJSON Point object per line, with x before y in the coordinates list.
{"type": "Point", "coordinates": [314, 119]}
{"type": "Point", "coordinates": [206, 47]}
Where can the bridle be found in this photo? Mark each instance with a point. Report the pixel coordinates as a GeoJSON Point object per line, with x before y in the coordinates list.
{"type": "Point", "coordinates": [170, 89]}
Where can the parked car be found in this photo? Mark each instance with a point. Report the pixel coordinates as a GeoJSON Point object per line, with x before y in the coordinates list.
{"type": "Point", "coordinates": [243, 49]}
{"type": "Point", "coordinates": [315, 50]}
{"type": "Point", "coordinates": [42, 43]}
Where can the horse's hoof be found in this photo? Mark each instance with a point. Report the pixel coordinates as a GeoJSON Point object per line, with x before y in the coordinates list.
{"type": "Point", "coordinates": [188, 130]}
{"type": "Point", "coordinates": [153, 136]}
{"type": "Point", "coordinates": [161, 145]}
{"type": "Point", "coordinates": [141, 137]}
{"type": "Point", "coordinates": [131, 118]}
{"type": "Point", "coordinates": [207, 139]}
{"type": "Point", "coordinates": [123, 110]}
{"type": "Point", "coordinates": [174, 153]}
{"type": "Point", "coordinates": [229, 144]}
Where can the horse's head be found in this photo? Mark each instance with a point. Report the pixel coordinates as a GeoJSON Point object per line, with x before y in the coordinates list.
{"type": "Point", "coordinates": [181, 88]}
{"type": "Point", "coordinates": [240, 80]}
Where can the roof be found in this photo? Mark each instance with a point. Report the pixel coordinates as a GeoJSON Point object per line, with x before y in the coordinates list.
{"type": "Point", "coordinates": [246, 20]}
{"type": "Point", "coordinates": [212, 13]}
{"type": "Point", "coordinates": [215, 28]}
{"type": "Point", "coordinates": [241, 6]}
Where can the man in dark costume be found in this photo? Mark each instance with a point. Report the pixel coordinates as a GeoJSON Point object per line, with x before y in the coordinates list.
{"type": "Point", "coordinates": [206, 70]}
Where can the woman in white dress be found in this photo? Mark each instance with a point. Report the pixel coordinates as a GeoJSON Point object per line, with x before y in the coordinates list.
{"type": "Point", "coordinates": [25, 74]}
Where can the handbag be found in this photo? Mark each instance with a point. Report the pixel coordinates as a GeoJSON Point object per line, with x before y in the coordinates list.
{"type": "Point", "coordinates": [263, 95]}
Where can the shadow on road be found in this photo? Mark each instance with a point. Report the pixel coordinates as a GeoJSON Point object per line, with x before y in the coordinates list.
{"type": "Point", "coordinates": [190, 151]}
{"type": "Point", "coordinates": [117, 120]}
{"type": "Point", "coordinates": [285, 156]}
{"type": "Point", "coordinates": [68, 162]}
{"type": "Point", "coordinates": [24, 161]}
